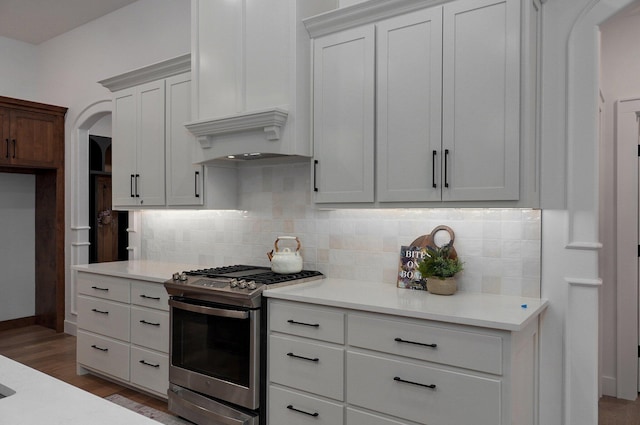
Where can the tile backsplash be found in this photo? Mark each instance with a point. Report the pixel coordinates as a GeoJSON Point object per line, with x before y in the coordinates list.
{"type": "Point", "coordinates": [500, 248]}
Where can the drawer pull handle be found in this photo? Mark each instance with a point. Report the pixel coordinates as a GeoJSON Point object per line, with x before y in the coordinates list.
{"type": "Point", "coordinates": [398, 379]}
{"type": "Point", "coordinates": [149, 323]}
{"type": "Point", "coordinates": [313, 325]}
{"type": "Point", "coordinates": [149, 364]}
{"type": "Point", "coordinates": [303, 358]}
{"type": "Point", "coordinates": [149, 298]}
{"type": "Point", "coordinates": [97, 288]}
{"type": "Point", "coordinates": [314, 414]}
{"type": "Point", "coordinates": [95, 310]}
{"type": "Point", "coordinates": [99, 348]}
{"type": "Point", "coordinates": [416, 343]}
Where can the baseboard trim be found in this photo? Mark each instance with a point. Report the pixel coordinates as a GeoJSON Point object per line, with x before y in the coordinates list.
{"type": "Point", "coordinates": [17, 323]}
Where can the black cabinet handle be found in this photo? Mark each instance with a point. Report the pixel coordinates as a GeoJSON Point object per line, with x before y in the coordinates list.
{"type": "Point", "coordinates": [149, 364]}
{"type": "Point", "coordinates": [131, 185]}
{"type": "Point", "coordinates": [313, 325]}
{"type": "Point", "coordinates": [416, 343]}
{"type": "Point", "coordinates": [433, 169]}
{"type": "Point", "coordinates": [315, 175]}
{"type": "Point", "coordinates": [197, 192]}
{"type": "Point", "coordinates": [99, 348]}
{"type": "Point", "coordinates": [7, 146]}
{"type": "Point", "coordinates": [95, 310]}
{"type": "Point", "coordinates": [446, 161]}
{"type": "Point", "coordinates": [314, 414]}
{"type": "Point", "coordinates": [144, 322]}
{"type": "Point", "coordinates": [137, 178]}
{"type": "Point", "coordinates": [14, 148]}
{"type": "Point", "coordinates": [97, 288]}
{"type": "Point", "coordinates": [398, 379]}
{"type": "Point", "coordinates": [149, 298]}
{"type": "Point", "coordinates": [303, 358]}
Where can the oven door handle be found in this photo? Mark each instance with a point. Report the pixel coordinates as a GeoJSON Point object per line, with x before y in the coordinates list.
{"type": "Point", "coordinates": [210, 311]}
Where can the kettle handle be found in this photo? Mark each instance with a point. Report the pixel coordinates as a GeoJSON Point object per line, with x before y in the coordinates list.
{"type": "Point", "coordinates": [293, 238]}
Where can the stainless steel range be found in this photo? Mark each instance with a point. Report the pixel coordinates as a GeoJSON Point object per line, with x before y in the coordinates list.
{"type": "Point", "coordinates": [216, 355]}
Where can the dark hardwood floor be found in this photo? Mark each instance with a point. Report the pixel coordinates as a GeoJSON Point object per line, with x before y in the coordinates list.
{"type": "Point", "coordinates": [55, 354]}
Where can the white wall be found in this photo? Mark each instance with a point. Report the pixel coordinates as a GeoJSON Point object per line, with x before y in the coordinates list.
{"type": "Point", "coordinates": [17, 250]}
{"type": "Point", "coordinates": [19, 69]}
{"type": "Point", "coordinates": [102, 127]}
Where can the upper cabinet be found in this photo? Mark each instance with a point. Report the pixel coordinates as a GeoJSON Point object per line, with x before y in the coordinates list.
{"type": "Point", "coordinates": [32, 134]}
{"type": "Point", "coordinates": [454, 118]}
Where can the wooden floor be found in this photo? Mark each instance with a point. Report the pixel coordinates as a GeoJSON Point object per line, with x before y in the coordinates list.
{"type": "Point", "coordinates": [55, 354]}
{"type": "Point", "coordinates": [613, 411]}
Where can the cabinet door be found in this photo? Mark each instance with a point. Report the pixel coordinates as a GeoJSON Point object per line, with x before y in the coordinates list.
{"type": "Point", "coordinates": [409, 99]}
{"type": "Point", "coordinates": [150, 153]}
{"type": "Point", "coordinates": [184, 179]}
{"type": "Point", "coordinates": [33, 139]}
{"type": "Point", "coordinates": [481, 100]}
{"type": "Point", "coordinates": [5, 152]}
{"type": "Point", "coordinates": [343, 128]}
{"type": "Point", "coordinates": [124, 148]}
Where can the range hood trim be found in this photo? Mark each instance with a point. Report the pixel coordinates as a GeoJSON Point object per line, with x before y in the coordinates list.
{"type": "Point", "coordinates": [270, 120]}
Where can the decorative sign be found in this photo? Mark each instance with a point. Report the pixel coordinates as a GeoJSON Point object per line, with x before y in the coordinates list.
{"type": "Point", "coordinates": [409, 276]}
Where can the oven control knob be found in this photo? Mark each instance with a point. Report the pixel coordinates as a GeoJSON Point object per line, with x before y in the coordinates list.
{"type": "Point", "coordinates": [183, 277]}
{"type": "Point", "coordinates": [242, 284]}
{"type": "Point", "coordinates": [233, 283]}
{"type": "Point", "coordinates": [176, 276]}
{"type": "Point", "coordinates": [251, 285]}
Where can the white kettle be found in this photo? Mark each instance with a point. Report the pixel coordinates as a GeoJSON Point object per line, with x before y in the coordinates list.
{"type": "Point", "coordinates": [285, 261]}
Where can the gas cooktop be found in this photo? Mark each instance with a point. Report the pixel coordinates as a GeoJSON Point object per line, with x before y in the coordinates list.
{"type": "Point", "coordinates": [236, 285]}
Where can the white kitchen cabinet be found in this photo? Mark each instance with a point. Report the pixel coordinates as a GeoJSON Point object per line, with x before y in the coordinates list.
{"type": "Point", "coordinates": [386, 369]}
{"type": "Point", "coordinates": [139, 146]}
{"type": "Point", "coordinates": [123, 331]}
{"type": "Point", "coordinates": [343, 104]}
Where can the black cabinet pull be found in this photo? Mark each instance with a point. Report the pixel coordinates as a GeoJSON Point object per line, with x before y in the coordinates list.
{"type": "Point", "coordinates": [313, 325]}
{"type": "Point", "coordinates": [149, 298]}
{"type": "Point", "coordinates": [416, 343]}
{"type": "Point", "coordinates": [7, 146]}
{"type": "Point", "coordinates": [97, 288]}
{"type": "Point", "coordinates": [433, 169]}
{"type": "Point", "coordinates": [137, 178]}
{"type": "Point", "coordinates": [144, 322]}
{"type": "Point", "coordinates": [303, 358]}
{"type": "Point", "coordinates": [99, 348]}
{"type": "Point", "coordinates": [315, 175]}
{"type": "Point", "coordinates": [14, 148]}
{"type": "Point", "coordinates": [446, 161]}
{"type": "Point", "coordinates": [149, 364]}
{"type": "Point", "coordinates": [197, 192]}
{"type": "Point", "coordinates": [95, 310]}
{"type": "Point", "coordinates": [131, 185]}
{"type": "Point", "coordinates": [314, 414]}
{"type": "Point", "coordinates": [398, 379]}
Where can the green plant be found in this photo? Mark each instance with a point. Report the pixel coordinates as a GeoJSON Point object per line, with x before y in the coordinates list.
{"type": "Point", "coordinates": [439, 264]}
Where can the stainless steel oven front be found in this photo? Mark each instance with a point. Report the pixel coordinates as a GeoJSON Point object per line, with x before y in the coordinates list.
{"type": "Point", "coordinates": [214, 352]}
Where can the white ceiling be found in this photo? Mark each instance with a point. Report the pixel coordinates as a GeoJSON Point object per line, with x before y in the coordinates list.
{"type": "Point", "coordinates": [36, 21]}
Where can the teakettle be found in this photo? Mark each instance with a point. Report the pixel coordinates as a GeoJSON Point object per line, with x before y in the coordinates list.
{"type": "Point", "coordinates": [285, 261]}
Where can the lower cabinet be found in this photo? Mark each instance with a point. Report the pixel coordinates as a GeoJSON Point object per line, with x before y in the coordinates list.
{"type": "Point", "coordinates": [346, 367]}
{"type": "Point", "coordinates": [123, 331]}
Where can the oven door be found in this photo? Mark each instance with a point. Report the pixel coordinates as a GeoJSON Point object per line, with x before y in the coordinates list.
{"type": "Point", "coordinates": [215, 350]}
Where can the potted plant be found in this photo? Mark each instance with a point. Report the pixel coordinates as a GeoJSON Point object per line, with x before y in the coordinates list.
{"type": "Point", "coordinates": [439, 267]}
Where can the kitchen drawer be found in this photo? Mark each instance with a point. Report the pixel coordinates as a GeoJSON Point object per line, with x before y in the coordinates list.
{"type": "Point", "coordinates": [149, 295]}
{"type": "Point", "coordinates": [103, 354]}
{"type": "Point", "coordinates": [290, 407]}
{"type": "Point", "coordinates": [150, 328]}
{"type": "Point", "coordinates": [308, 321]}
{"type": "Point", "coordinates": [357, 417]}
{"type": "Point", "coordinates": [150, 370]}
{"type": "Point", "coordinates": [319, 371]}
{"type": "Point", "coordinates": [107, 287]}
{"type": "Point", "coordinates": [103, 317]}
{"type": "Point", "coordinates": [457, 398]}
{"type": "Point", "coordinates": [453, 347]}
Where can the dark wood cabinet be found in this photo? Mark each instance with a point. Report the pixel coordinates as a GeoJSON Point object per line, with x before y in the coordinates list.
{"type": "Point", "coordinates": [32, 142]}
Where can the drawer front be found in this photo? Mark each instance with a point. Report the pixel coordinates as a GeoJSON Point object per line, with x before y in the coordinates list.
{"type": "Point", "coordinates": [307, 366]}
{"type": "Point", "coordinates": [107, 287]}
{"type": "Point", "coordinates": [357, 417]}
{"type": "Point", "coordinates": [292, 408]}
{"type": "Point", "coordinates": [452, 347]}
{"type": "Point", "coordinates": [378, 384]}
{"type": "Point", "coordinates": [150, 328]}
{"type": "Point", "coordinates": [103, 354]}
{"type": "Point", "coordinates": [103, 317]}
{"type": "Point", "coordinates": [150, 370]}
{"type": "Point", "coordinates": [151, 295]}
{"type": "Point", "coordinates": [307, 321]}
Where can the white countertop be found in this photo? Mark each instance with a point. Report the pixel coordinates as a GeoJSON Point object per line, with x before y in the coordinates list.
{"type": "Point", "coordinates": [467, 308]}
{"type": "Point", "coordinates": [153, 271]}
{"type": "Point", "coordinates": [42, 399]}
